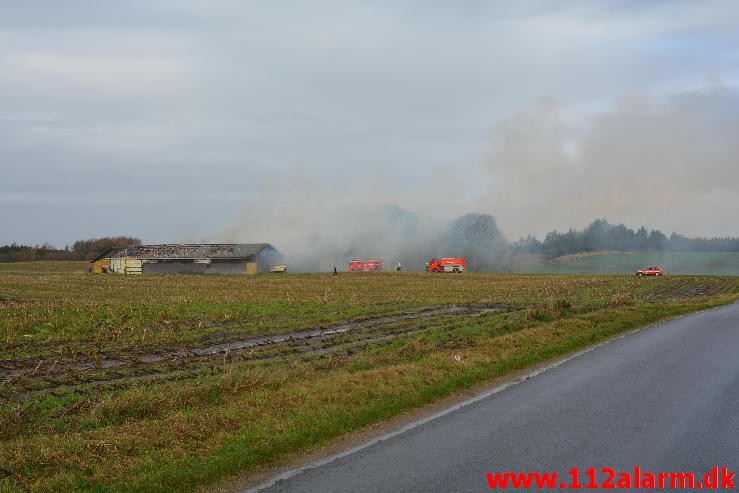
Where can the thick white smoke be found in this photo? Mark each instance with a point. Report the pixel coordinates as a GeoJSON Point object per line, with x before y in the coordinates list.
{"type": "Point", "coordinates": [317, 228]}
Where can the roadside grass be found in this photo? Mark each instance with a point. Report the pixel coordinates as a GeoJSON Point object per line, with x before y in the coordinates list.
{"type": "Point", "coordinates": [684, 263]}
{"type": "Point", "coordinates": [243, 417]}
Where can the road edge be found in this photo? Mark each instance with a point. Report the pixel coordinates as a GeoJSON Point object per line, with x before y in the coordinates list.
{"type": "Point", "coordinates": [374, 434]}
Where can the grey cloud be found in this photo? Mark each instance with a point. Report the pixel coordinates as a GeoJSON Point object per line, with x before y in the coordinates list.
{"type": "Point", "coordinates": [214, 99]}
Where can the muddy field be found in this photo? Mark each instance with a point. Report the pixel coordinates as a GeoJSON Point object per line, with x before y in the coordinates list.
{"type": "Point", "coordinates": [674, 289]}
{"type": "Point", "coordinates": [26, 379]}
{"type": "Point", "coordinates": [161, 383]}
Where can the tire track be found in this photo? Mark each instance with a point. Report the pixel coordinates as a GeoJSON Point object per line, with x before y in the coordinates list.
{"type": "Point", "coordinates": [29, 377]}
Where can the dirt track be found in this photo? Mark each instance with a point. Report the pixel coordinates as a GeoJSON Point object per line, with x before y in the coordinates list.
{"type": "Point", "coordinates": [24, 379]}
{"type": "Point", "coordinates": [670, 289]}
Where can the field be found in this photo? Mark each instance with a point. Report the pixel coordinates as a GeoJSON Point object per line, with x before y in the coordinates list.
{"type": "Point", "coordinates": [176, 383]}
{"type": "Point", "coordinates": [690, 263]}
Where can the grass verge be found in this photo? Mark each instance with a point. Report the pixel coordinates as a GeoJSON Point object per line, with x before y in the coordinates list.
{"type": "Point", "coordinates": [236, 419]}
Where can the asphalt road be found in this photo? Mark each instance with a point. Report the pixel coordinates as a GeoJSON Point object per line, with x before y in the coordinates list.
{"type": "Point", "coordinates": [663, 399]}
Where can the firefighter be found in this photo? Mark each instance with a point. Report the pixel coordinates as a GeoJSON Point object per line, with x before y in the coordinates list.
{"type": "Point", "coordinates": [398, 267]}
{"type": "Point", "coordinates": [427, 266]}
{"type": "Point", "coordinates": [336, 273]}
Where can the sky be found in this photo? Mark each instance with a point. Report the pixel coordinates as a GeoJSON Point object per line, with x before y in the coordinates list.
{"type": "Point", "coordinates": [275, 122]}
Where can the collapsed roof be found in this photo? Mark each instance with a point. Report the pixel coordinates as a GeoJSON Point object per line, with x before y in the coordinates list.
{"type": "Point", "coordinates": [192, 251]}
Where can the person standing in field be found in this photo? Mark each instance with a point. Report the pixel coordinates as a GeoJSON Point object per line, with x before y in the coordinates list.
{"type": "Point", "coordinates": [398, 267]}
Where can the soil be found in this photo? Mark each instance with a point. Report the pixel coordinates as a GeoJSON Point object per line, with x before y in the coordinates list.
{"type": "Point", "coordinates": [676, 289]}
{"type": "Point", "coordinates": [28, 378]}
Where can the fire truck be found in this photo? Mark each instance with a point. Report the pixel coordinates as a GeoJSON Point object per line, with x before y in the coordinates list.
{"type": "Point", "coordinates": [365, 265]}
{"type": "Point", "coordinates": [447, 264]}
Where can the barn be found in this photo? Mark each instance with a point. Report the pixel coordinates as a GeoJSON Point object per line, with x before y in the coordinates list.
{"type": "Point", "coordinates": [204, 258]}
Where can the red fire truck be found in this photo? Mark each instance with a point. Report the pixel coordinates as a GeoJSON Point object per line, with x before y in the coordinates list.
{"type": "Point", "coordinates": [447, 264]}
{"type": "Point", "coordinates": [365, 265]}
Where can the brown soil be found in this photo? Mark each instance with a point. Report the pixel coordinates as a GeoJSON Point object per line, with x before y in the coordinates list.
{"type": "Point", "coordinates": [675, 289]}
{"type": "Point", "coordinates": [26, 379]}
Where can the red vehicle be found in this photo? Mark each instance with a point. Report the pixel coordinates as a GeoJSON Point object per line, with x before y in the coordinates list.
{"type": "Point", "coordinates": [447, 264]}
{"type": "Point", "coordinates": [652, 270]}
{"type": "Point", "coordinates": [365, 265]}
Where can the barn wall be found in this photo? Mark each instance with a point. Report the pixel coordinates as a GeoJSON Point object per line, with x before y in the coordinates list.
{"type": "Point", "coordinates": [117, 265]}
{"type": "Point", "coordinates": [195, 268]}
{"type": "Point", "coordinates": [208, 265]}
{"type": "Point", "coordinates": [134, 266]}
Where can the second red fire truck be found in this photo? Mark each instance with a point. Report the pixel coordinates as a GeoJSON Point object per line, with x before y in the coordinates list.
{"type": "Point", "coordinates": [447, 264]}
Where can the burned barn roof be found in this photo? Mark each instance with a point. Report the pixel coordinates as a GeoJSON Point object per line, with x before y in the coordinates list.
{"type": "Point", "coordinates": [190, 251]}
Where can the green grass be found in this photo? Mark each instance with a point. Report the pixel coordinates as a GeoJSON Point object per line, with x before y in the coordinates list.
{"type": "Point", "coordinates": [691, 263]}
{"type": "Point", "coordinates": [198, 426]}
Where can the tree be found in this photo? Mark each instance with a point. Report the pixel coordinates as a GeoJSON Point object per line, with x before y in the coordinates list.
{"type": "Point", "coordinates": [657, 240]}
{"type": "Point", "coordinates": [528, 245]}
{"type": "Point", "coordinates": [89, 249]}
{"type": "Point", "coordinates": [477, 237]}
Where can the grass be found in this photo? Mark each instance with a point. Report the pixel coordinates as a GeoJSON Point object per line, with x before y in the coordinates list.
{"type": "Point", "coordinates": [185, 427]}
{"type": "Point", "coordinates": [684, 263]}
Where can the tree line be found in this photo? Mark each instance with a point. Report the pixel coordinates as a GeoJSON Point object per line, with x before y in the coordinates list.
{"type": "Point", "coordinates": [600, 235]}
{"type": "Point", "coordinates": [474, 235]}
{"type": "Point", "coordinates": [80, 250]}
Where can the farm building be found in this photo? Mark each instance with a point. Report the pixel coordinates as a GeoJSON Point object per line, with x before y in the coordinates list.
{"type": "Point", "coordinates": [250, 258]}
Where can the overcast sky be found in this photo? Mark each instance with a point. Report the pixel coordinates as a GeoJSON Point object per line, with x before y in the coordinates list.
{"type": "Point", "coordinates": [239, 120]}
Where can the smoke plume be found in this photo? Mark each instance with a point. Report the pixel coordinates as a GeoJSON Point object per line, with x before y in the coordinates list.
{"type": "Point", "coordinates": [669, 162]}
{"type": "Point", "coordinates": [316, 230]}
{"type": "Point", "coordinates": [643, 162]}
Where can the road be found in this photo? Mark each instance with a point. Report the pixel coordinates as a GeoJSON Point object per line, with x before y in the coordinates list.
{"type": "Point", "coordinates": [663, 399]}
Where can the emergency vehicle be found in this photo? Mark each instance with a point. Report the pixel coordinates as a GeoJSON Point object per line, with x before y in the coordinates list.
{"type": "Point", "coordinates": [365, 265]}
{"type": "Point", "coordinates": [447, 264]}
